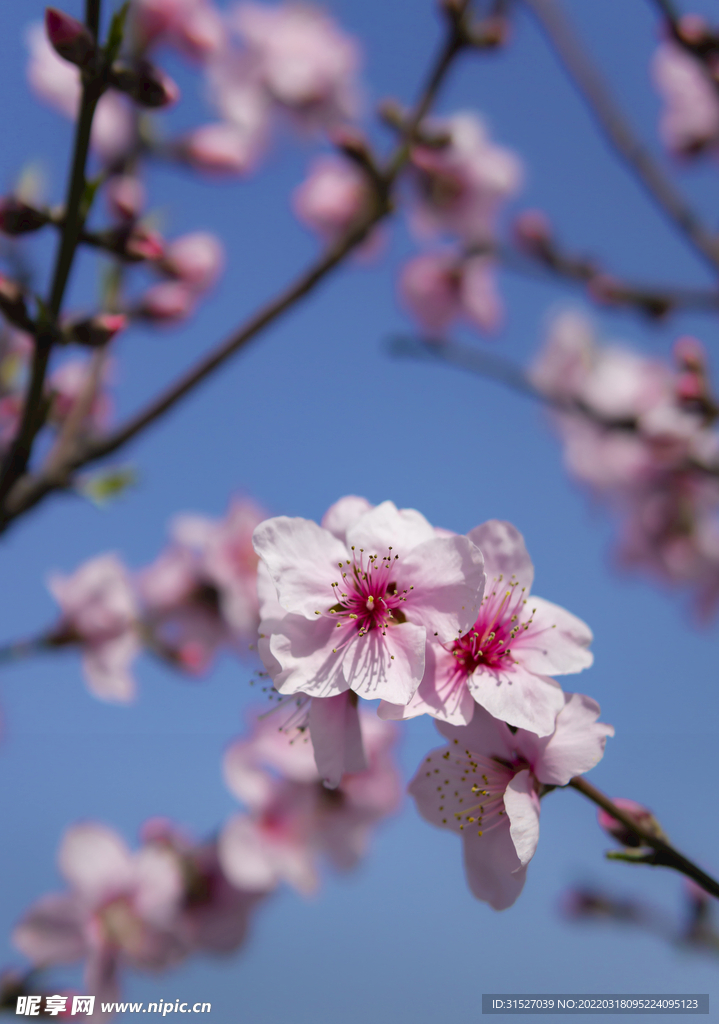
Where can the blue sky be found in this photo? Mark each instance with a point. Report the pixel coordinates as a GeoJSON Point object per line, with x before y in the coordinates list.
{"type": "Point", "coordinates": [315, 409]}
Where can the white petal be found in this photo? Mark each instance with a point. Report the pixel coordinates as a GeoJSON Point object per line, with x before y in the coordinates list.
{"type": "Point", "coordinates": [386, 526]}
{"type": "Point", "coordinates": [518, 697]}
{"type": "Point", "coordinates": [522, 806]}
{"type": "Point", "coordinates": [494, 871]}
{"type": "Point", "coordinates": [336, 737]}
{"type": "Point", "coordinates": [504, 550]}
{"type": "Point", "coordinates": [447, 577]}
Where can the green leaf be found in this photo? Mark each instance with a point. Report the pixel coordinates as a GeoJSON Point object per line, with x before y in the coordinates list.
{"type": "Point", "coordinates": [107, 485]}
{"type": "Point", "coordinates": [116, 33]}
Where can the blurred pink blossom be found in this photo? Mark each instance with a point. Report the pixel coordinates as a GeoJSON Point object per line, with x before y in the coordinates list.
{"type": "Point", "coordinates": [462, 183]}
{"type": "Point", "coordinates": [192, 26]}
{"type": "Point", "coordinates": [506, 660]}
{"type": "Point", "coordinates": [690, 119]}
{"type": "Point", "coordinates": [100, 612]}
{"type": "Point", "coordinates": [486, 784]}
{"type": "Point", "coordinates": [437, 289]}
{"type": "Point", "coordinates": [125, 197]}
{"type": "Point", "coordinates": [167, 302]}
{"type": "Point", "coordinates": [293, 819]}
{"type": "Point", "coordinates": [196, 259]}
{"type": "Point", "coordinates": [334, 196]}
{"type": "Point", "coordinates": [304, 61]}
{"type": "Point", "coordinates": [120, 909]}
{"type": "Point", "coordinates": [220, 148]}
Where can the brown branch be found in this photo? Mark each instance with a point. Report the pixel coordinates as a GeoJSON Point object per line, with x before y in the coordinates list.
{"type": "Point", "coordinates": [619, 132]}
{"type": "Point", "coordinates": [665, 855]}
{"type": "Point", "coordinates": [31, 489]}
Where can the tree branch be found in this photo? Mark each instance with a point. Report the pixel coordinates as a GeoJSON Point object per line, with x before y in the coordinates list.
{"type": "Point", "coordinates": [619, 132]}
{"type": "Point", "coordinates": [666, 854]}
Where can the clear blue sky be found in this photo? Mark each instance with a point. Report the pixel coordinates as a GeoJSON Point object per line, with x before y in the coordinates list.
{"type": "Point", "coordinates": [302, 417]}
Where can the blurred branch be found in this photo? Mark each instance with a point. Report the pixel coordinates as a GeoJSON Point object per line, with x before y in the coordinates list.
{"type": "Point", "coordinates": [619, 132]}
{"type": "Point", "coordinates": [34, 406]}
{"type": "Point", "coordinates": [663, 855]}
{"type": "Point", "coordinates": [32, 488]}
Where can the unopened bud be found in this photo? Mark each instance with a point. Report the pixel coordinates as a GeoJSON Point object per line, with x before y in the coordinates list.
{"type": "Point", "coordinates": [197, 259]}
{"type": "Point", "coordinates": [69, 37]}
{"type": "Point", "coordinates": [636, 812]}
{"type": "Point", "coordinates": [98, 330]}
{"type": "Point", "coordinates": [125, 197]}
{"type": "Point", "coordinates": [17, 218]}
{"type": "Point", "coordinates": [690, 353]}
{"type": "Point", "coordinates": [12, 302]}
{"type": "Point", "coordinates": [167, 302]}
{"type": "Point", "coordinates": [693, 29]}
{"type": "Point", "coordinates": [147, 85]}
{"type": "Point", "coordinates": [490, 32]}
{"type": "Point", "coordinates": [143, 244]}
{"type": "Point", "coordinates": [216, 148]}
{"type": "Point", "coordinates": [533, 231]}
{"type": "Point", "coordinates": [352, 142]}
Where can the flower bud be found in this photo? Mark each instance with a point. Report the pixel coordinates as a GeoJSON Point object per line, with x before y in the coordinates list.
{"type": "Point", "coordinates": [69, 37]}
{"type": "Point", "coordinates": [167, 302]}
{"type": "Point", "coordinates": [147, 85]}
{"type": "Point", "coordinates": [643, 817]}
{"type": "Point", "coordinates": [17, 218]}
{"type": "Point", "coordinates": [693, 30]}
{"type": "Point", "coordinates": [12, 303]}
{"type": "Point", "coordinates": [533, 231]}
{"type": "Point", "coordinates": [197, 259]}
{"type": "Point", "coordinates": [143, 244]}
{"type": "Point", "coordinates": [216, 148]}
{"type": "Point", "coordinates": [690, 353]}
{"type": "Point", "coordinates": [98, 330]}
{"type": "Point", "coordinates": [125, 197]}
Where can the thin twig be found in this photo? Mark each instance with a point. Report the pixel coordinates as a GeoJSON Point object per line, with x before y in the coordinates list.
{"type": "Point", "coordinates": [666, 854]}
{"type": "Point", "coordinates": [620, 133]}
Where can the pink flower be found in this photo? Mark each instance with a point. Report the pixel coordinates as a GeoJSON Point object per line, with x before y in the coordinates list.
{"type": "Point", "coordinates": [167, 302]}
{"type": "Point", "coordinates": [120, 909]}
{"type": "Point", "coordinates": [213, 915]}
{"type": "Point", "coordinates": [463, 183]}
{"type": "Point", "coordinates": [294, 820]}
{"type": "Point", "coordinates": [690, 119]}
{"type": "Point", "coordinates": [192, 26]}
{"type": "Point", "coordinates": [505, 661]}
{"type": "Point", "coordinates": [333, 198]}
{"type": "Point", "coordinates": [438, 289]}
{"type": "Point", "coordinates": [57, 82]}
{"type": "Point", "coordinates": [100, 612]}
{"type": "Point", "coordinates": [201, 594]}
{"type": "Point", "coordinates": [219, 149]}
{"type": "Point", "coordinates": [196, 259]}
{"type": "Point", "coordinates": [486, 784]}
{"type": "Point", "coordinates": [305, 62]}
{"type": "Point", "coordinates": [362, 611]}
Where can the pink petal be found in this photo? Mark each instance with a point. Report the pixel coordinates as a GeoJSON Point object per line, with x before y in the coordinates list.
{"type": "Point", "coordinates": [243, 856]}
{"type": "Point", "coordinates": [107, 668]}
{"type": "Point", "coordinates": [303, 562]}
{"type": "Point", "coordinates": [343, 514]}
{"type": "Point", "coordinates": [576, 746]}
{"type": "Point", "coordinates": [386, 526]}
{"type": "Point", "coordinates": [336, 737]}
{"type": "Point", "coordinates": [522, 806]}
{"type": "Point", "coordinates": [52, 931]}
{"type": "Point", "coordinates": [518, 697]}
{"type": "Point", "coordinates": [484, 735]}
{"type": "Point", "coordinates": [95, 861]}
{"type": "Point", "coordinates": [439, 695]}
{"type": "Point", "coordinates": [388, 667]}
{"type": "Point", "coordinates": [304, 651]}
{"type": "Point", "coordinates": [556, 642]}
{"type": "Point", "coordinates": [447, 574]}
{"type": "Point", "coordinates": [504, 550]}
{"type": "Point", "coordinates": [494, 871]}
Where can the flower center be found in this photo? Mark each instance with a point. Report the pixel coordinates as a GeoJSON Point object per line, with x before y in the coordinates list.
{"type": "Point", "coordinates": [500, 622]}
{"type": "Point", "coordinates": [367, 597]}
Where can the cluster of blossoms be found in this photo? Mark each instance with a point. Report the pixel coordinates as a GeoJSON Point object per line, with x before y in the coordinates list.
{"type": "Point", "coordinates": [687, 82]}
{"type": "Point", "coordinates": [376, 603]}
{"type": "Point", "coordinates": [641, 434]}
{"type": "Point", "coordinates": [151, 909]}
{"type": "Point", "coordinates": [198, 597]}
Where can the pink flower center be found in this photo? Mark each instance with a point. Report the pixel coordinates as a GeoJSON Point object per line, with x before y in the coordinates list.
{"type": "Point", "coordinates": [367, 596]}
{"type": "Point", "coordinates": [499, 624]}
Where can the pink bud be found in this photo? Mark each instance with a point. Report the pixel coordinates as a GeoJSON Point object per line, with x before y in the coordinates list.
{"type": "Point", "coordinates": [217, 148]}
{"type": "Point", "coordinates": [69, 37]}
{"type": "Point", "coordinates": [147, 85]}
{"type": "Point", "coordinates": [690, 353]}
{"type": "Point", "coordinates": [195, 259]}
{"type": "Point", "coordinates": [693, 29]}
{"type": "Point", "coordinates": [167, 302]}
{"type": "Point", "coordinates": [605, 288]}
{"type": "Point", "coordinates": [532, 230]}
{"type": "Point", "coordinates": [690, 387]}
{"type": "Point", "coordinates": [643, 817]}
{"type": "Point", "coordinates": [98, 330]}
{"type": "Point", "coordinates": [125, 197]}
{"type": "Point", "coordinates": [143, 244]}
